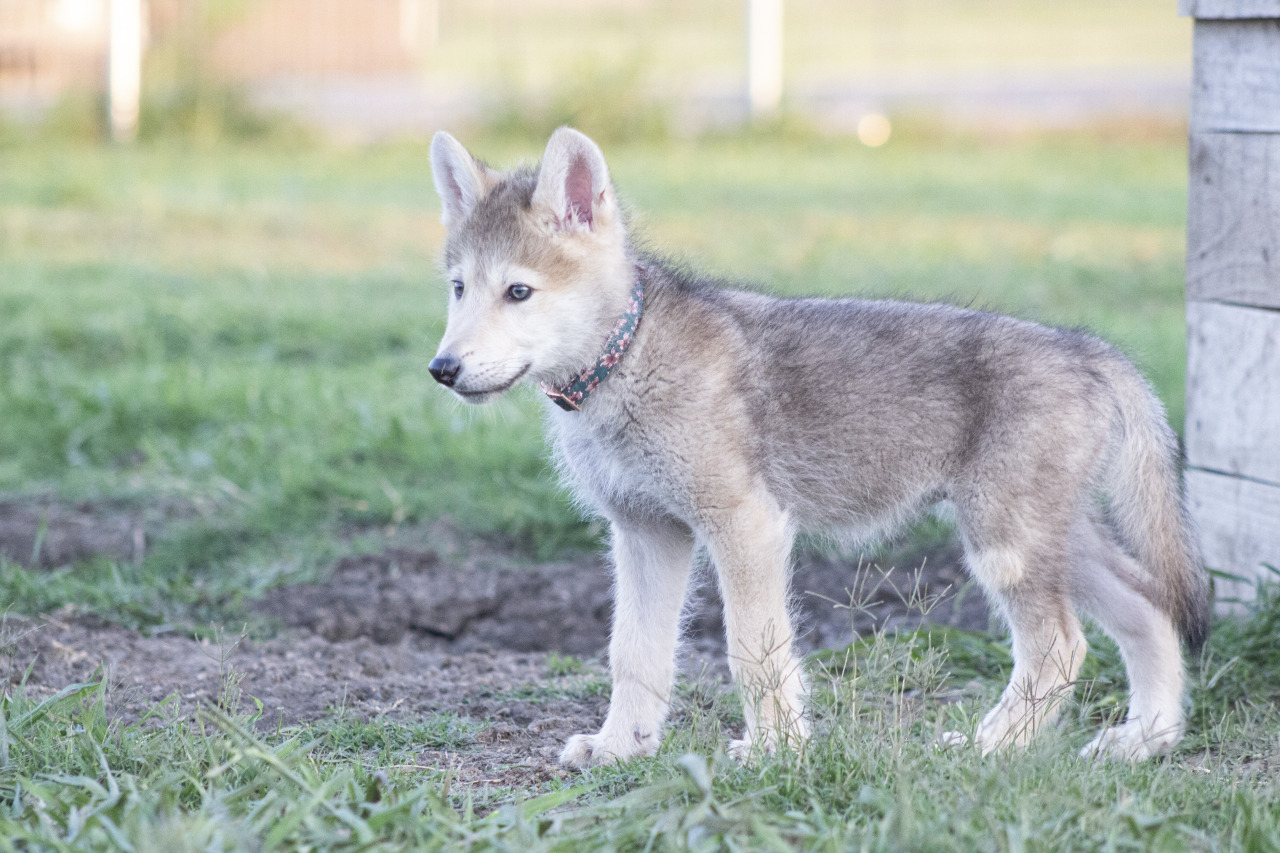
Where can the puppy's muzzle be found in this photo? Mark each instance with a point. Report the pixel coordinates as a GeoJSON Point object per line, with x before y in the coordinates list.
{"type": "Point", "coordinates": [445, 369]}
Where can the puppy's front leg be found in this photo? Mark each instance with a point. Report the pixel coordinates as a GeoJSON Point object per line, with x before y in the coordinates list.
{"type": "Point", "coordinates": [751, 548]}
{"type": "Point", "coordinates": [651, 565]}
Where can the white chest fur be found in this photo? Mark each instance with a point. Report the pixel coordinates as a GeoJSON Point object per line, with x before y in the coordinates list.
{"type": "Point", "coordinates": [611, 469]}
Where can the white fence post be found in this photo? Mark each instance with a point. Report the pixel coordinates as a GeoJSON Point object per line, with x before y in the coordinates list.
{"type": "Point", "coordinates": [124, 68]}
{"type": "Point", "coordinates": [419, 25]}
{"type": "Point", "coordinates": [764, 57]}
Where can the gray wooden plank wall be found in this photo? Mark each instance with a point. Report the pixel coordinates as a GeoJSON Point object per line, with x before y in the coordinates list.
{"type": "Point", "coordinates": [1233, 288]}
{"type": "Point", "coordinates": [1235, 78]}
{"type": "Point", "coordinates": [1237, 527]}
{"type": "Point", "coordinates": [1230, 9]}
{"type": "Point", "coordinates": [1233, 217]}
{"type": "Point", "coordinates": [1233, 390]}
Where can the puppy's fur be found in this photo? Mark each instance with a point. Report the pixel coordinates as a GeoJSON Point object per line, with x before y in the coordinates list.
{"type": "Point", "coordinates": [735, 420]}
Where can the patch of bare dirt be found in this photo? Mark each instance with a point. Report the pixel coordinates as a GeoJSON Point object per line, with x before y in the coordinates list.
{"type": "Point", "coordinates": [474, 605]}
{"type": "Point", "coordinates": [47, 534]}
{"type": "Point", "coordinates": [404, 633]}
{"type": "Point", "coordinates": [530, 709]}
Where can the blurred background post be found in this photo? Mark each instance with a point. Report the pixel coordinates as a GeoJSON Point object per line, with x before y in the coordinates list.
{"type": "Point", "coordinates": [764, 57]}
{"type": "Point", "coordinates": [126, 27]}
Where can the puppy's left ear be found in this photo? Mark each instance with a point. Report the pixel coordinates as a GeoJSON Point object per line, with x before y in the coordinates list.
{"type": "Point", "coordinates": [573, 191]}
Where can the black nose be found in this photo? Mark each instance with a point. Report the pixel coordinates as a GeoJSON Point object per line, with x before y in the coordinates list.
{"type": "Point", "coordinates": [445, 369]}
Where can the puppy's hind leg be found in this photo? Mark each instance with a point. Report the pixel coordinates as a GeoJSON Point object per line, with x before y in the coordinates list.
{"type": "Point", "coordinates": [1048, 647]}
{"type": "Point", "coordinates": [651, 572]}
{"type": "Point", "coordinates": [1105, 583]}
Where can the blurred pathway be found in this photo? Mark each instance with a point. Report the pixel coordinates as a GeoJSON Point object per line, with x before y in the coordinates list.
{"type": "Point", "coordinates": [384, 106]}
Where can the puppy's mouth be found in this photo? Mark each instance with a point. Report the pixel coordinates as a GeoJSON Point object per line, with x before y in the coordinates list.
{"type": "Point", "coordinates": [480, 395]}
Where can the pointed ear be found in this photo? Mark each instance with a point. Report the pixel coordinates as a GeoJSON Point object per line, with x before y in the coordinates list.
{"type": "Point", "coordinates": [460, 179]}
{"type": "Point", "coordinates": [573, 182]}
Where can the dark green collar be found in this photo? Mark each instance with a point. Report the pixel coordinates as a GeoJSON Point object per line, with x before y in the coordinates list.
{"type": "Point", "coordinates": [570, 397]}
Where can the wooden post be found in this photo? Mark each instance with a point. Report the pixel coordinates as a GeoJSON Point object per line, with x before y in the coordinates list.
{"type": "Point", "coordinates": [124, 68]}
{"type": "Point", "coordinates": [1233, 288]}
{"type": "Point", "coordinates": [764, 57]}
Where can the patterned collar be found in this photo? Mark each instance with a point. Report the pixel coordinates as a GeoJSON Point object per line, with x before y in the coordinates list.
{"type": "Point", "coordinates": [571, 396]}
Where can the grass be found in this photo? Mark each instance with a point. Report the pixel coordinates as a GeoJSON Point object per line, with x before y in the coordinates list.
{"type": "Point", "coordinates": [238, 335]}
{"type": "Point", "coordinates": [72, 778]}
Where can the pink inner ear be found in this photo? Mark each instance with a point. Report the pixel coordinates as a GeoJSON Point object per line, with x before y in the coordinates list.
{"type": "Point", "coordinates": [577, 192]}
{"type": "Point", "coordinates": [454, 189]}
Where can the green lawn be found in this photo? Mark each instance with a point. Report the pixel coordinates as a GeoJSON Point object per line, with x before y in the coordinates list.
{"type": "Point", "coordinates": [244, 331]}
{"type": "Point", "coordinates": [238, 337]}
{"type": "Point", "coordinates": [240, 334]}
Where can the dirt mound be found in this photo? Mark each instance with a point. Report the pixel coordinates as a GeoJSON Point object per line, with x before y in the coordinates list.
{"type": "Point", "coordinates": [566, 607]}
{"type": "Point", "coordinates": [560, 607]}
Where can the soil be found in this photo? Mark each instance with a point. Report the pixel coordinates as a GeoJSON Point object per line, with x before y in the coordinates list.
{"type": "Point", "coordinates": [488, 603]}
{"type": "Point", "coordinates": [45, 533]}
{"type": "Point", "coordinates": [405, 632]}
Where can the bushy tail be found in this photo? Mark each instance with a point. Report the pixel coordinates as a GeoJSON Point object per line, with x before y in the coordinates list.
{"type": "Point", "coordinates": [1147, 505]}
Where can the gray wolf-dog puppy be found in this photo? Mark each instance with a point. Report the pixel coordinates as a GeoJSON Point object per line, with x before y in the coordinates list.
{"type": "Point", "coordinates": [689, 416]}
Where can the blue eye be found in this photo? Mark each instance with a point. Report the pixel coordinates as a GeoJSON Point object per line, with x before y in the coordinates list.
{"type": "Point", "coordinates": [457, 290]}
{"type": "Point", "coordinates": [519, 292]}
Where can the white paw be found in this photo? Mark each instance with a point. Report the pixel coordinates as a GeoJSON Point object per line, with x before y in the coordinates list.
{"type": "Point", "coordinates": [744, 750]}
{"type": "Point", "coordinates": [1009, 725]}
{"type": "Point", "coordinates": [582, 751]}
{"type": "Point", "coordinates": [997, 731]}
{"type": "Point", "coordinates": [1131, 741]}
{"type": "Point", "coordinates": [766, 741]}
{"type": "Point", "coordinates": [951, 740]}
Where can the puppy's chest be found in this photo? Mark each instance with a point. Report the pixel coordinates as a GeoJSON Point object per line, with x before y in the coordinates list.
{"type": "Point", "coordinates": [616, 466]}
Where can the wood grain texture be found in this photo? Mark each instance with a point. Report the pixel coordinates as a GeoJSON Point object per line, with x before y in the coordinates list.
{"type": "Point", "coordinates": [1239, 525]}
{"type": "Point", "coordinates": [1233, 280]}
{"type": "Point", "coordinates": [1229, 8]}
{"type": "Point", "coordinates": [1235, 81]}
{"type": "Point", "coordinates": [1233, 390]}
{"type": "Point", "coordinates": [1233, 218]}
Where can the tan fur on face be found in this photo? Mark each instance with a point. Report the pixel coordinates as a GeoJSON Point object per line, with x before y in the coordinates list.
{"type": "Point", "coordinates": [581, 279]}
